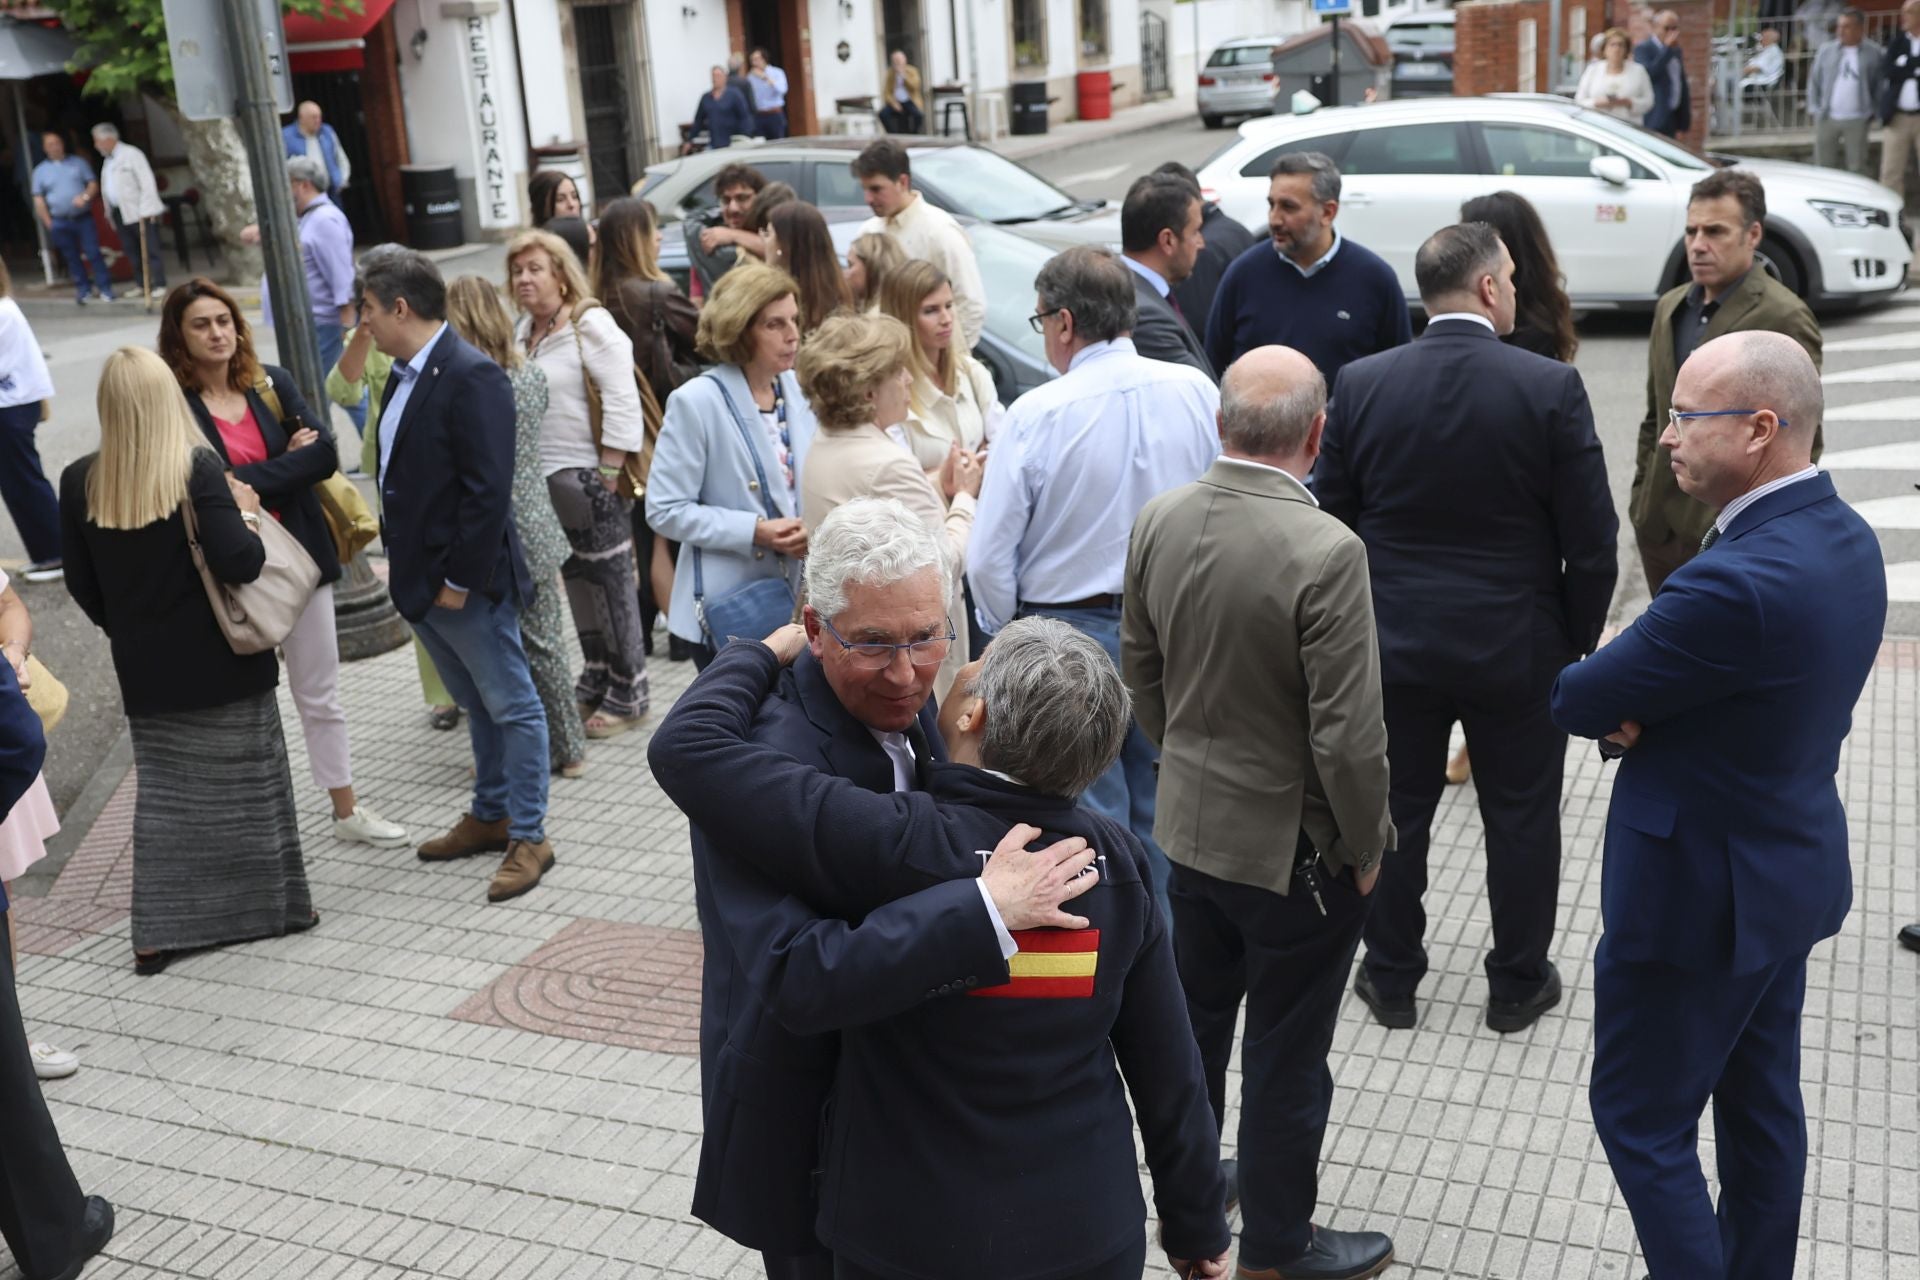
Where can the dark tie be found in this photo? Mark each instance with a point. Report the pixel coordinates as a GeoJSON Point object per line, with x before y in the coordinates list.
{"type": "Point", "coordinates": [1713, 536]}
{"type": "Point", "coordinates": [1174, 302]}
{"type": "Point", "coordinates": [922, 754]}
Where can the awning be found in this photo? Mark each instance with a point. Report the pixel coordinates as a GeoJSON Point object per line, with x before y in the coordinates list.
{"type": "Point", "coordinates": [28, 50]}
{"type": "Point", "coordinates": [335, 39]}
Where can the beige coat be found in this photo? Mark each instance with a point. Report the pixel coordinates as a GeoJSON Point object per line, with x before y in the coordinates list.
{"type": "Point", "coordinates": [1248, 641]}
{"type": "Point", "coordinates": [866, 463]}
{"type": "Point", "coordinates": [939, 421]}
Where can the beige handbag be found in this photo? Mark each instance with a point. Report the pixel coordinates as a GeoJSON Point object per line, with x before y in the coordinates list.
{"type": "Point", "coordinates": [45, 694]}
{"type": "Point", "coordinates": [256, 616]}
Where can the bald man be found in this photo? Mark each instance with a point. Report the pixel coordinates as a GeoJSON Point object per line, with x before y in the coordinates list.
{"type": "Point", "coordinates": [1726, 845]}
{"type": "Point", "coordinates": [308, 135]}
{"type": "Point", "coordinates": [1248, 641]}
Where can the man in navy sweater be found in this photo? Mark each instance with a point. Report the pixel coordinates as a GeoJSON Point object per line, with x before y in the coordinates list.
{"type": "Point", "coordinates": [1311, 290]}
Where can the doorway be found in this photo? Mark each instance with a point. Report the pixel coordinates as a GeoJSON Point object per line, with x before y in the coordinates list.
{"type": "Point", "coordinates": [904, 28]}
{"type": "Point", "coordinates": [603, 48]}
{"type": "Point", "coordinates": [780, 27]}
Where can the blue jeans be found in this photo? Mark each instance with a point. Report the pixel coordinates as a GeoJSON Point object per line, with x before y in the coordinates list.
{"type": "Point", "coordinates": [478, 653]}
{"type": "Point", "coordinates": [23, 484]}
{"type": "Point", "coordinates": [332, 340]}
{"type": "Point", "coordinates": [75, 238]}
{"type": "Point", "coordinates": [1125, 791]}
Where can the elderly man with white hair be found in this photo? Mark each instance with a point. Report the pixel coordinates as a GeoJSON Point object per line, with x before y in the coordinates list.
{"type": "Point", "coordinates": [1726, 847]}
{"type": "Point", "coordinates": [979, 1123]}
{"type": "Point", "coordinates": [133, 197]}
{"type": "Point", "coordinates": [778, 978]}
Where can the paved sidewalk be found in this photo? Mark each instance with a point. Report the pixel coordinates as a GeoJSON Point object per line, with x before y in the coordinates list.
{"type": "Point", "coordinates": [427, 1085]}
{"type": "Point", "coordinates": [1062, 135]}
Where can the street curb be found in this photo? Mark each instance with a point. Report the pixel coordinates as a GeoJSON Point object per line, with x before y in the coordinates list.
{"type": "Point", "coordinates": [38, 880]}
{"type": "Point", "coordinates": [1077, 133]}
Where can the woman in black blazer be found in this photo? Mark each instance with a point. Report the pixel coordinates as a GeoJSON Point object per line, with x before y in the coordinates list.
{"type": "Point", "coordinates": [255, 419]}
{"type": "Point", "coordinates": [216, 841]}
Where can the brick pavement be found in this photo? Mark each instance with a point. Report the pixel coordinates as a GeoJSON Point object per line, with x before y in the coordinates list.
{"type": "Point", "coordinates": [427, 1085]}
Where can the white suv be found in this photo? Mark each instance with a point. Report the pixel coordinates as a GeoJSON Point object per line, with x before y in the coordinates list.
{"type": "Point", "coordinates": [1613, 196]}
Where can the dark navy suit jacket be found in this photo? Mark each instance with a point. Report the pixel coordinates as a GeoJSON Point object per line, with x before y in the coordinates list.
{"type": "Point", "coordinates": [446, 493]}
{"type": "Point", "coordinates": [778, 979]}
{"type": "Point", "coordinates": [1471, 470]}
{"type": "Point", "coordinates": [23, 748]}
{"type": "Point", "coordinates": [982, 1129]}
{"type": "Point", "coordinates": [1670, 115]}
{"type": "Point", "coordinates": [1726, 841]}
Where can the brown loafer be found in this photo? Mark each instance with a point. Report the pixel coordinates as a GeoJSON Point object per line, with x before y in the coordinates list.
{"type": "Point", "coordinates": [522, 868]}
{"type": "Point", "coordinates": [468, 837]}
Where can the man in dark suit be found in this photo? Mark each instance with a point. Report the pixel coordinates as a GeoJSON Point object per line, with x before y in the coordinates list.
{"type": "Point", "coordinates": [1899, 104]}
{"type": "Point", "coordinates": [446, 436]}
{"type": "Point", "coordinates": [1726, 847]}
{"type": "Point", "coordinates": [778, 979]}
{"type": "Point", "coordinates": [1159, 240]}
{"type": "Point", "coordinates": [1659, 53]}
{"type": "Point", "coordinates": [1226, 240]}
{"type": "Point", "coordinates": [1729, 293]}
{"type": "Point", "coordinates": [1471, 470]}
{"type": "Point", "coordinates": [975, 1137]}
{"type": "Point", "coordinates": [51, 1228]}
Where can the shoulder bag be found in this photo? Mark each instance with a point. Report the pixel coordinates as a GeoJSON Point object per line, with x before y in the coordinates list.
{"type": "Point", "coordinates": [256, 616]}
{"type": "Point", "coordinates": [46, 695]}
{"type": "Point", "coordinates": [348, 517]}
{"type": "Point", "coordinates": [753, 610]}
{"type": "Point", "coordinates": [633, 472]}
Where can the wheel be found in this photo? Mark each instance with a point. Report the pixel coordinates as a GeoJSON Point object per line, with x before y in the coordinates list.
{"type": "Point", "coordinates": [1212, 122]}
{"type": "Point", "coordinates": [1781, 264]}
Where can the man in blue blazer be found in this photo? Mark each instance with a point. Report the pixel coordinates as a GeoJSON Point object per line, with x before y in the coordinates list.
{"type": "Point", "coordinates": [979, 1126]}
{"type": "Point", "coordinates": [1660, 54]}
{"type": "Point", "coordinates": [1726, 847]}
{"type": "Point", "coordinates": [48, 1225]}
{"type": "Point", "coordinates": [446, 436]}
{"type": "Point", "coordinates": [778, 979]}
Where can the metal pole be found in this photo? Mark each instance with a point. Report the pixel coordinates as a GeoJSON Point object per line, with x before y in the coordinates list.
{"type": "Point", "coordinates": [1553, 48]}
{"type": "Point", "coordinates": [273, 201]}
{"type": "Point", "coordinates": [26, 163]}
{"type": "Point", "coordinates": [1333, 83]}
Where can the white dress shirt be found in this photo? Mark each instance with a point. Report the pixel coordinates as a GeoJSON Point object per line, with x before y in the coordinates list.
{"type": "Point", "coordinates": [403, 384]}
{"type": "Point", "coordinates": [1147, 273]}
{"type": "Point", "coordinates": [1298, 483]}
{"type": "Point", "coordinates": [1319, 264]}
{"type": "Point", "coordinates": [1910, 89]}
{"type": "Point", "coordinates": [127, 184]}
{"type": "Point", "coordinates": [1474, 316]}
{"type": "Point", "coordinates": [1074, 463]}
{"type": "Point", "coordinates": [317, 152]}
{"type": "Point", "coordinates": [1745, 500]}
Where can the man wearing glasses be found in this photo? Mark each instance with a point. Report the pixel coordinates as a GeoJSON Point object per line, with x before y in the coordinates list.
{"type": "Point", "coordinates": [1731, 292]}
{"type": "Point", "coordinates": [1073, 464]}
{"type": "Point", "coordinates": [1726, 847]}
{"type": "Point", "coordinates": [856, 705]}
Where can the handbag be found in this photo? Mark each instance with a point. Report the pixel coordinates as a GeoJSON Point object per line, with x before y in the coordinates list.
{"type": "Point", "coordinates": [633, 472]}
{"type": "Point", "coordinates": [256, 616]}
{"type": "Point", "coordinates": [46, 695]}
{"type": "Point", "coordinates": [754, 609]}
{"type": "Point", "coordinates": [349, 520]}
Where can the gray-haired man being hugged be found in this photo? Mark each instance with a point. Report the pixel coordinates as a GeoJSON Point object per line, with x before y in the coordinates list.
{"type": "Point", "coordinates": [1248, 642]}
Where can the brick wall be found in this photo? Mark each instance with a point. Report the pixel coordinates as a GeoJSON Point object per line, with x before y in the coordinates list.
{"type": "Point", "coordinates": [1486, 54]}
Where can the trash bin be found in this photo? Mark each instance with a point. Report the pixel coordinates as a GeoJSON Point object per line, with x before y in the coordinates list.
{"type": "Point", "coordinates": [1096, 95]}
{"type": "Point", "coordinates": [432, 197]}
{"type": "Point", "coordinates": [1029, 106]}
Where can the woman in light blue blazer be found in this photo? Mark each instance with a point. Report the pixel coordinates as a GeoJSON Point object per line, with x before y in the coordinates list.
{"type": "Point", "coordinates": [735, 514]}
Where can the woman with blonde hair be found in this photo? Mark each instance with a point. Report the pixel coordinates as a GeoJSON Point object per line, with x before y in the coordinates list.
{"type": "Point", "coordinates": [216, 842]}
{"type": "Point", "coordinates": [871, 258]}
{"type": "Point", "coordinates": [725, 482]}
{"type": "Point", "coordinates": [477, 315]}
{"type": "Point", "coordinates": [954, 402]}
{"type": "Point", "coordinates": [856, 372]}
{"type": "Point", "coordinates": [1616, 84]}
{"type": "Point", "coordinates": [592, 424]}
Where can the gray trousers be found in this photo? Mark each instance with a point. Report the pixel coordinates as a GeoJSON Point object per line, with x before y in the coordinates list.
{"type": "Point", "coordinates": [1831, 137]}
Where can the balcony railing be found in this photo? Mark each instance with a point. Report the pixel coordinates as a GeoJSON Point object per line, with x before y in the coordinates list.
{"type": "Point", "coordinates": [1760, 84]}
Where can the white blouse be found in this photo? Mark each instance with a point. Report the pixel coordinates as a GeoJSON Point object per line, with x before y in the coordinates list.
{"type": "Point", "coordinates": [566, 433]}
{"type": "Point", "coordinates": [1597, 84]}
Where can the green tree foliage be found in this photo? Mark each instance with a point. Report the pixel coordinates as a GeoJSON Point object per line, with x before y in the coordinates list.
{"type": "Point", "coordinates": [124, 42]}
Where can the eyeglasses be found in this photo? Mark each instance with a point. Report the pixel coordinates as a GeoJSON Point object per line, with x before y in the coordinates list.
{"type": "Point", "coordinates": [875, 656]}
{"type": "Point", "coordinates": [1678, 420]}
{"type": "Point", "coordinates": [1039, 319]}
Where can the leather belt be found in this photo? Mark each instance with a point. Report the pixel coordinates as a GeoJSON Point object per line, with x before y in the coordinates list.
{"type": "Point", "coordinates": [1105, 600]}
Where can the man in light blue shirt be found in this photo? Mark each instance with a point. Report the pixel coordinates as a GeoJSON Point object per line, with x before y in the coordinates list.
{"type": "Point", "coordinates": [769, 86]}
{"type": "Point", "coordinates": [63, 192]}
{"type": "Point", "coordinates": [1073, 464]}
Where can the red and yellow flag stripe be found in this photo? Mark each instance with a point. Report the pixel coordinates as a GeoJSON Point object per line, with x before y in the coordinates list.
{"type": "Point", "coordinates": [1052, 964]}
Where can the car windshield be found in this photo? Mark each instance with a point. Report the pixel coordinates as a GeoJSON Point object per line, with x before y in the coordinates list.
{"type": "Point", "coordinates": [1008, 264]}
{"type": "Point", "coordinates": [1420, 39]}
{"type": "Point", "coordinates": [1645, 139]}
{"type": "Point", "coordinates": [1244, 55]}
{"type": "Point", "coordinates": [986, 186]}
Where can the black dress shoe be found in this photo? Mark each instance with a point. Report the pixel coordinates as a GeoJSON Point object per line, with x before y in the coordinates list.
{"type": "Point", "coordinates": [1396, 1012]}
{"type": "Point", "coordinates": [1910, 937]}
{"type": "Point", "coordinates": [96, 1228]}
{"type": "Point", "coordinates": [1333, 1255]}
{"type": "Point", "coordinates": [1230, 1170]}
{"type": "Point", "coordinates": [678, 650]}
{"type": "Point", "coordinates": [1508, 1016]}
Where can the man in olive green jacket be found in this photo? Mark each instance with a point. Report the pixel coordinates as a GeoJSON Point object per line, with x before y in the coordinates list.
{"type": "Point", "coordinates": [1730, 292]}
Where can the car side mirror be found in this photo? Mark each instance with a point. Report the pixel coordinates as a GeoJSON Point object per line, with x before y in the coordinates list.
{"type": "Point", "coordinates": [1613, 170]}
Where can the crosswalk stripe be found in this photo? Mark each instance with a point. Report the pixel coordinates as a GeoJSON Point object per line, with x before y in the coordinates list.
{"type": "Point", "coordinates": [1907, 339]}
{"type": "Point", "coordinates": [1898, 371]}
{"type": "Point", "coordinates": [1903, 582]}
{"type": "Point", "coordinates": [1903, 455]}
{"type": "Point", "coordinates": [1902, 512]}
{"type": "Point", "coordinates": [1899, 409]}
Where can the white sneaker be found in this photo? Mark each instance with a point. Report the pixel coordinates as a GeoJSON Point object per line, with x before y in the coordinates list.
{"type": "Point", "coordinates": [50, 1063]}
{"type": "Point", "coordinates": [368, 827]}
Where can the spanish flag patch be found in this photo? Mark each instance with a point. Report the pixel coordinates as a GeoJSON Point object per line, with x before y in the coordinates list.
{"type": "Point", "coordinates": [1052, 964]}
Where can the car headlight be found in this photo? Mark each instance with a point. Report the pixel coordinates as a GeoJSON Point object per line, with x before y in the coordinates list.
{"type": "Point", "coordinates": [1842, 214]}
